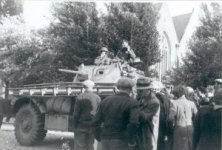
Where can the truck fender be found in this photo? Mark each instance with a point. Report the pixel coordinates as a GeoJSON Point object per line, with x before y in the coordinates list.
{"type": "Point", "coordinates": [40, 105]}
{"type": "Point", "coordinates": [17, 103]}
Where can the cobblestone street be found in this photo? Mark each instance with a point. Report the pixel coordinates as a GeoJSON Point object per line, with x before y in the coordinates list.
{"type": "Point", "coordinates": [52, 141]}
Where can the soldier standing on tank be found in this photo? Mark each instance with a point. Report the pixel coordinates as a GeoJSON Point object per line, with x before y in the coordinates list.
{"type": "Point", "coordinates": [126, 53]}
{"type": "Point", "coordinates": [84, 112]}
{"type": "Point", "coordinates": [103, 59]}
{"type": "Point", "coordinates": [116, 121]}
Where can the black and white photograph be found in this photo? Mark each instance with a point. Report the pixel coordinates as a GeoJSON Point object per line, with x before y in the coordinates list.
{"type": "Point", "coordinates": [110, 75]}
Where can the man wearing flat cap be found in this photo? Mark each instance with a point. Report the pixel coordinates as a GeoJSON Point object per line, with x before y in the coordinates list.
{"type": "Point", "coordinates": [84, 111]}
{"type": "Point", "coordinates": [149, 114]}
{"type": "Point", "coordinates": [116, 121]}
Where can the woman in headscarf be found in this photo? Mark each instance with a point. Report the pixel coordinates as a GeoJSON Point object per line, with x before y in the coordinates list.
{"type": "Point", "coordinates": [182, 112]}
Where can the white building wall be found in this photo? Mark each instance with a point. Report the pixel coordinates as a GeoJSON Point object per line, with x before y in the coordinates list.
{"type": "Point", "coordinates": [166, 28]}
{"type": "Point", "coordinates": [193, 23]}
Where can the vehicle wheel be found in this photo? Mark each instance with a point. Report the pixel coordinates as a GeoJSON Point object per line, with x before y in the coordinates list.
{"type": "Point", "coordinates": [29, 125]}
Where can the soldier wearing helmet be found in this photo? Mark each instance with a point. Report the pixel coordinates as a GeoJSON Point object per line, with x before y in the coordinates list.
{"type": "Point", "coordinates": [103, 59]}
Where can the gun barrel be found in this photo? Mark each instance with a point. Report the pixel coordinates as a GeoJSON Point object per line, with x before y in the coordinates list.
{"type": "Point", "coordinates": [217, 106]}
{"type": "Point", "coordinates": [71, 71]}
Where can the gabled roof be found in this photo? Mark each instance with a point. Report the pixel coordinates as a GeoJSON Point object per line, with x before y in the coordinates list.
{"type": "Point", "coordinates": [158, 6]}
{"type": "Point", "coordinates": [180, 23]}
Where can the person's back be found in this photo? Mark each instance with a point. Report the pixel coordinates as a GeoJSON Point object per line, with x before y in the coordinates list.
{"type": "Point", "coordinates": [164, 112]}
{"type": "Point", "coordinates": [5, 110]}
{"type": "Point", "coordinates": [208, 125]}
{"type": "Point", "coordinates": [85, 109]}
{"type": "Point", "coordinates": [117, 118]}
{"type": "Point", "coordinates": [185, 111]}
{"type": "Point", "coordinates": [115, 111]}
{"type": "Point", "coordinates": [208, 130]}
{"type": "Point", "coordinates": [165, 125]}
{"type": "Point", "coordinates": [84, 112]}
{"type": "Point", "coordinates": [1, 111]}
{"type": "Point", "coordinates": [182, 112]}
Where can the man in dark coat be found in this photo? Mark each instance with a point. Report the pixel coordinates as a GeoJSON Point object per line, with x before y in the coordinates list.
{"type": "Point", "coordinates": [1, 112]}
{"type": "Point", "coordinates": [208, 125]}
{"type": "Point", "coordinates": [149, 115]}
{"type": "Point", "coordinates": [84, 111]}
{"type": "Point", "coordinates": [5, 110]}
{"type": "Point", "coordinates": [116, 121]}
{"type": "Point", "coordinates": [165, 124]}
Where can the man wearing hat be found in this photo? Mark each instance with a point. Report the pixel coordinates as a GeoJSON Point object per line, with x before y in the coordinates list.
{"type": "Point", "coordinates": [116, 121]}
{"type": "Point", "coordinates": [149, 114]}
{"type": "Point", "coordinates": [84, 111]}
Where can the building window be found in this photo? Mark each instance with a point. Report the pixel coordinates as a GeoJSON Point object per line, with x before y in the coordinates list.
{"type": "Point", "coordinates": [165, 49]}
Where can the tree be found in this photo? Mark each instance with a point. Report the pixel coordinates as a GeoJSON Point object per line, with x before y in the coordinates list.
{"type": "Point", "coordinates": [204, 64]}
{"type": "Point", "coordinates": [10, 8]}
{"type": "Point", "coordinates": [35, 58]}
{"type": "Point", "coordinates": [136, 23]}
{"type": "Point", "coordinates": [23, 54]}
{"type": "Point", "coordinates": [75, 34]}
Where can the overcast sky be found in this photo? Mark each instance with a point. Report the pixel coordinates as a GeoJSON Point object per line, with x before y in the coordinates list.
{"type": "Point", "coordinates": [37, 12]}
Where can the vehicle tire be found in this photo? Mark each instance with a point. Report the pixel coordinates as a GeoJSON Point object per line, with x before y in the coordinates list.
{"type": "Point", "coordinates": [29, 125]}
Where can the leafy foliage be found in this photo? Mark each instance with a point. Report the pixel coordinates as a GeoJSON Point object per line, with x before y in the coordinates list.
{"type": "Point", "coordinates": [204, 64]}
{"type": "Point", "coordinates": [136, 23]}
{"type": "Point", "coordinates": [19, 51]}
{"type": "Point", "coordinates": [76, 33]}
{"type": "Point", "coordinates": [10, 8]}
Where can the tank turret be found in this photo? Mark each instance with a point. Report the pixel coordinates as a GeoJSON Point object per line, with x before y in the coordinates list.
{"type": "Point", "coordinates": [119, 66]}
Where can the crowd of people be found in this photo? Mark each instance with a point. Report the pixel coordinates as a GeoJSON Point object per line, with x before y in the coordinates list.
{"type": "Point", "coordinates": [156, 119]}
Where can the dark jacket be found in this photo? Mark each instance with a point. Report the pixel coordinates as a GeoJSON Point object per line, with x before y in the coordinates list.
{"type": "Point", "coordinates": [84, 110]}
{"type": "Point", "coordinates": [5, 109]}
{"type": "Point", "coordinates": [117, 118]}
{"type": "Point", "coordinates": [164, 125]}
{"type": "Point", "coordinates": [149, 121]}
{"type": "Point", "coordinates": [208, 129]}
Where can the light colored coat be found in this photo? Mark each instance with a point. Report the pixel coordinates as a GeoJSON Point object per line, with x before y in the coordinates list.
{"type": "Point", "coordinates": [183, 112]}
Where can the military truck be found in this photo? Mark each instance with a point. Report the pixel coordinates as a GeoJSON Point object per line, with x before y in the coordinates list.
{"type": "Point", "coordinates": [49, 106]}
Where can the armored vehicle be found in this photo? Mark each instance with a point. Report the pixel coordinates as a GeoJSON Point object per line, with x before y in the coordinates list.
{"type": "Point", "coordinates": [49, 106]}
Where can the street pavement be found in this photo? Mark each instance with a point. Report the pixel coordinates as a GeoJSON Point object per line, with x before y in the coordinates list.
{"type": "Point", "coordinates": [53, 140]}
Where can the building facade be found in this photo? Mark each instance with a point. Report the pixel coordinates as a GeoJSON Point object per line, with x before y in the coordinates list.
{"type": "Point", "coordinates": [168, 41]}
{"type": "Point", "coordinates": [175, 34]}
